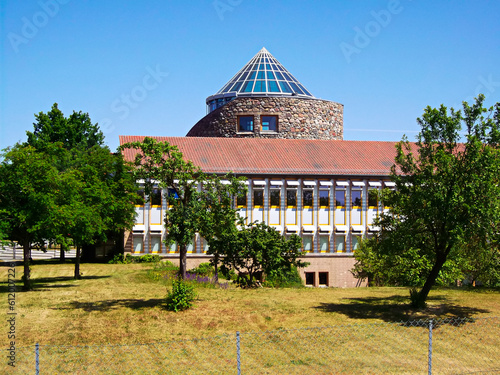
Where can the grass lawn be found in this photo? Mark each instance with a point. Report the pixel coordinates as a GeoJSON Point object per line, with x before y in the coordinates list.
{"type": "Point", "coordinates": [121, 304]}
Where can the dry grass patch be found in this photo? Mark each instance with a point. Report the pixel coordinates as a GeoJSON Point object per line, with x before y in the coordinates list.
{"type": "Point", "coordinates": [119, 303]}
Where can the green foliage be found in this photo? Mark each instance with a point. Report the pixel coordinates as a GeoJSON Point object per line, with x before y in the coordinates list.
{"type": "Point", "coordinates": [259, 249]}
{"type": "Point", "coordinates": [160, 164]}
{"type": "Point", "coordinates": [128, 258]}
{"type": "Point", "coordinates": [287, 279]}
{"type": "Point", "coordinates": [181, 296]}
{"type": "Point", "coordinates": [447, 199]}
{"type": "Point", "coordinates": [204, 269]}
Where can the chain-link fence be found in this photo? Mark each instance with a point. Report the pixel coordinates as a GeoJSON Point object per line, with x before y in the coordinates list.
{"type": "Point", "coordinates": [448, 346]}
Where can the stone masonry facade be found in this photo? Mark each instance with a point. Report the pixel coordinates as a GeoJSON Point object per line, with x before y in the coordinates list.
{"type": "Point", "coordinates": [298, 118]}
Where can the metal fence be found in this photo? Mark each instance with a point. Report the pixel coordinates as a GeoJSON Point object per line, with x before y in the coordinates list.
{"type": "Point", "coordinates": [447, 346]}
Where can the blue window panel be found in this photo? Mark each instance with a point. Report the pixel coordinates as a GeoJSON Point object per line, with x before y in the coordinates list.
{"type": "Point", "coordinates": [237, 86]}
{"type": "Point", "coordinates": [260, 75]}
{"type": "Point", "coordinates": [296, 88]}
{"type": "Point", "coordinates": [278, 74]}
{"type": "Point", "coordinates": [260, 86]}
{"type": "Point", "coordinates": [304, 90]}
{"type": "Point", "coordinates": [268, 123]}
{"type": "Point", "coordinates": [261, 66]}
{"type": "Point", "coordinates": [247, 87]}
{"type": "Point", "coordinates": [252, 75]}
{"type": "Point", "coordinates": [243, 76]}
{"type": "Point", "coordinates": [274, 67]}
{"type": "Point", "coordinates": [268, 67]}
{"type": "Point", "coordinates": [245, 123]}
{"type": "Point", "coordinates": [287, 77]}
{"type": "Point", "coordinates": [272, 86]}
{"type": "Point", "coordinates": [284, 87]}
{"type": "Point", "coordinates": [270, 75]}
{"type": "Point", "coordinates": [172, 193]}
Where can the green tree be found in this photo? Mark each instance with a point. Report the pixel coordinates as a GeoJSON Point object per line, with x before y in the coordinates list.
{"type": "Point", "coordinates": [219, 217]}
{"type": "Point", "coordinates": [259, 248]}
{"type": "Point", "coordinates": [99, 191]}
{"type": "Point", "coordinates": [447, 193]}
{"type": "Point", "coordinates": [28, 189]}
{"type": "Point", "coordinates": [160, 164]}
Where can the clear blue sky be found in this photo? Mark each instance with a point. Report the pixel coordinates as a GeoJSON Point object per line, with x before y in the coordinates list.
{"type": "Point", "coordinates": [384, 60]}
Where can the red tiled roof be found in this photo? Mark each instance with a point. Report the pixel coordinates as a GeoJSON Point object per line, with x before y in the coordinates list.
{"type": "Point", "coordinates": [281, 156]}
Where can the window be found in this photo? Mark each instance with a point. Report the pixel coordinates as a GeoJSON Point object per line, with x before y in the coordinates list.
{"type": "Point", "coordinates": [323, 278]}
{"type": "Point", "coordinates": [340, 244]}
{"type": "Point", "coordinates": [155, 244]}
{"type": "Point", "coordinates": [307, 243]}
{"type": "Point", "coordinates": [137, 244]}
{"type": "Point", "coordinates": [372, 198]}
{"type": "Point", "coordinates": [356, 198]}
{"type": "Point", "coordinates": [275, 198]}
{"type": "Point", "coordinates": [269, 123]}
{"type": "Point", "coordinates": [355, 243]}
{"type": "Point", "coordinates": [241, 200]}
{"type": "Point", "coordinates": [245, 123]}
{"type": "Point", "coordinates": [291, 197]}
{"type": "Point", "coordinates": [307, 195]}
{"type": "Point", "coordinates": [324, 244]}
{"type": "Point", "coordinates": [324, 198]}
{"type": "Point", "coordinates": [310, 278]}
{"type": "Point", "coordinates": [155, 197]}
{"type": "Point", "coordinates": [140, 193]}
{"type": "Point", "coordinates": [258, 198]}
{"type": "Point", "coordinates": [340, 199]}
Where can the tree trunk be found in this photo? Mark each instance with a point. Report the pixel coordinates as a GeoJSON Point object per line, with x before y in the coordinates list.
{"type": "Point", "coordinates": [421, 297]}
{"type": "Point", "coordinates": [26, 258]}
{"type": "Point", "coordinates": [77, 263]}
{"type": "Point", "coordinates": [62, 254]}
{"type": "Point", "coordinates": [216, 268]}
{"type": "Point", "coordinates": [182, 261]}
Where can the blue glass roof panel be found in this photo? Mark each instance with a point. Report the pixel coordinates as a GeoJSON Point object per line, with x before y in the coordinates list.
{"type": "Point", "coordinates": [264, 75]}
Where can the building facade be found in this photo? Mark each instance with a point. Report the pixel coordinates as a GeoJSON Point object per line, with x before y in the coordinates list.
{"type": "Point", "coordinates": [302, 177]}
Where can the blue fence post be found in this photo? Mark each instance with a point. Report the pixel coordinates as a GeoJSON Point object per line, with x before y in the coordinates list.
{"type": "Point", "coordinates": [238, 359]}
{"type": "Point", "coordinates": [37, 359]}
{"type": "Point", "coordinates": [430, 347]}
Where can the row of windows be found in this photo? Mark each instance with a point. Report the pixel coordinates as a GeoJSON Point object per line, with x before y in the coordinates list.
{"type": "Point", "coordinates": [308, 198]}
{"type": "Point", "coordinates": [155, 244]}
{"type": "Point", "coordinates": [267, 123]}
{"type": "Point", "coordinates": [291, 198]}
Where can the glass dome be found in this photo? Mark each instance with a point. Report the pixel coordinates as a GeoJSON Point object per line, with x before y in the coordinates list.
{"type": "Point", "coordinates": [263, 75]}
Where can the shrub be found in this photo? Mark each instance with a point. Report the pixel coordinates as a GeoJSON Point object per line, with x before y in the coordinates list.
{"type": "Point", "coordinates": [285, 279]}
{"type": "Point", "coordinates": [181, 297]}
{"type": "Point", "coordinates": [127, 259]}
{"type": "Point", "coordinates": [204, 269]}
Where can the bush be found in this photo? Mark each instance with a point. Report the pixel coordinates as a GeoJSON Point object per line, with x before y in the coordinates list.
{"type": "Point", "coordinates": [181, 297]}
{"type": "Point", "coordinates": [127, 259]}
{"type": "Point", "coordinates": [204, 269]}
{"type": "Point", "coordinates": [285, 279]}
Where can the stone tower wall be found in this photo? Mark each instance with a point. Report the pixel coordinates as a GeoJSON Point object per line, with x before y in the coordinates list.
{"type": "Point", "coordinates": [297, 118]}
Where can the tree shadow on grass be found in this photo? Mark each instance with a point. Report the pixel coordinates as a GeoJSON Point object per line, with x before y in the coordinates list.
{"type": "Point", "coordinates": [108, 305]}
{"type": "Point", "coordinates": [48, 283]}
{"type": "Point", "coordinates": [397, 309]}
